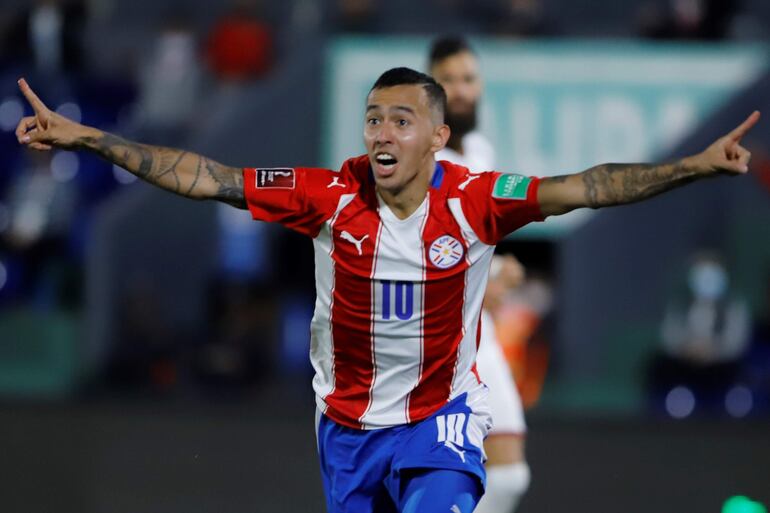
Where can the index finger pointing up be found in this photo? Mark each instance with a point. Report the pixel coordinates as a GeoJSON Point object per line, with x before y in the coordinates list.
{"type": "Point", "coordinates": [744, 127]}
{"type": "Point", "coordinates": [37, 104]}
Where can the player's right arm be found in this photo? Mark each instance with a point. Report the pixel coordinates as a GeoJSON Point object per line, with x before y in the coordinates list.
{"type": "Point", "coordinates": [178, 171]}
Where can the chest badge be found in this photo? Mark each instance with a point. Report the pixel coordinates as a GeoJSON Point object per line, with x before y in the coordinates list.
{"type": "Point", "coordinates": [446, 252]}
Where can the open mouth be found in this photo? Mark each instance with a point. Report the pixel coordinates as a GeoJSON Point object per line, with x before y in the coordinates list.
{"type": "Point", "coordinates": [386, 160]}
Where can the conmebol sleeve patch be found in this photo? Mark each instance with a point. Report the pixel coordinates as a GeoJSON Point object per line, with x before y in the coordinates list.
{"type": "Point", "coordinates": [275, 178]}
{"type": "Point", "coordinates": [508, 186]}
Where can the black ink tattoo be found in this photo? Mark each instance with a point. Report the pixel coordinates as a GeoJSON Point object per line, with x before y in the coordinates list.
{"type": "Point", "coordinates": [197, 175]}
{"type": "Point", "coordinates": [230, 183]}
{"type": "Point", "coordinates": [178, 171]}
{"type": "Point", "coordinates": [616, 184]}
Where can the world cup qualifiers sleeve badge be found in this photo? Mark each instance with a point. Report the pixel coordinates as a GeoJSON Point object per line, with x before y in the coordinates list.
{"type": "Point", "coordinates": [277, 178]}
{"type": "Point", "coordinates": [446, 252]}
{"type": "Point", "coordinates": [509, 186]}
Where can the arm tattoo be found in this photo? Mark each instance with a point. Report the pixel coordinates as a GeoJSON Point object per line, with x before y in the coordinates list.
{"type": "Point", "coordinates": [197, 176]}
{"type": "Point", "coordinates": [230, 184]}
{"type": "Point", "coordinates": [178, 171]}
{"type": "Point", "coordinates": [616, 184]}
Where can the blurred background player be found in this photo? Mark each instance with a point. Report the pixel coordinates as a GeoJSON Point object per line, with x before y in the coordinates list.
{"type": "Point", "coordinates": [455, 66]}
{"type": "Point", "coordinates": [507, 470]}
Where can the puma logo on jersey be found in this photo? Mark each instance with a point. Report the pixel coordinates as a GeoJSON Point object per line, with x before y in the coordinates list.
{"type": "Point", "coordinates": [336, 183]}
{"type": "Point", "coordinates": [346, 236]}
{"type": "Point", "coordinates": [468, 180]}
{"type": "Point", "coordinates": [455, 509]}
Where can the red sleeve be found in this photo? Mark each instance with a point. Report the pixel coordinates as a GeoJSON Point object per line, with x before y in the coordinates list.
{"type": "Point", "coordinates": [297, 198]}
{"type": "Point", "coordinates": [497, 204]}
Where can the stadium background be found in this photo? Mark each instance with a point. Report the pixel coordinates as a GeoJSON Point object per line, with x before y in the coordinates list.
{"type": "Point", "coordinates": [153, 349]}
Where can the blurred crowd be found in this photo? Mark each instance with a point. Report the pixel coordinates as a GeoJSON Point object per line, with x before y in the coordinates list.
{"type": "Point", "coordinates": [714, 356]}
{"type": "Point", "coordinates": [152, 71]}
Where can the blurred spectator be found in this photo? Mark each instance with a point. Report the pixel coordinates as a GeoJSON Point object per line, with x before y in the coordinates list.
{"type": "Point", "coordinates": [761, 328]}
{"type": "Point", "coordinates": [40, 205]}
{"type": "Point", "coordinates": [47, 34]}
{"type": "Point", "coordinates": [758, 362]}
{"type": "Point", "coordinates": [762, 167]}
{"type": "Point", "coordinates": [146, 351]}
{"type": "Point", "coordinates": [240, 45]}
{"type": "Point", "coordinates": [710, 325]}
{"type": "Point", "coordinates": [524, 18]}
{"type": "Point", "coordinates": [705, 334]}
{"type": "Point", "coordinates": [523, 324]}
{"type": "Point", "coordinates": [169, 85]}
{"type": "Point", "coordinates": [306, 19]}
{"type": "Point", "coordinates": [687, 19]}
{"type": "Point", "coordinates": [244, 246]}
{"type": "Point", "coordinates": [355, 16]}
{"type": "Point", "coordinates": [238, 350]}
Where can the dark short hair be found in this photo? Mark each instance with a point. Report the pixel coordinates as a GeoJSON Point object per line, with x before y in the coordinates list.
{"type": "Point", "coordinates": [407, 76]}
{"type": "Point", "coordinates": [444, 47]}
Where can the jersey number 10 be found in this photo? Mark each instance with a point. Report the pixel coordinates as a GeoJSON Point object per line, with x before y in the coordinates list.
{"type": "Point", "coordinates": [403, 293]}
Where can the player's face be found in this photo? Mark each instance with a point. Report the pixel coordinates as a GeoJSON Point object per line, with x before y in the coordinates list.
{"type": "Point", "coordinates": [401, 134]}
{"type": "Point", "coordinates": [459, 75]}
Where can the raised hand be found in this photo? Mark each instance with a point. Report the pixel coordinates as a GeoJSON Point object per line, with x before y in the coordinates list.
{"type": "Point", "coordinates": [726, 155]}
{"type": "Point", "coordinates": [46, 129]}
{"type": "Point", "coordinates": [606, 185]}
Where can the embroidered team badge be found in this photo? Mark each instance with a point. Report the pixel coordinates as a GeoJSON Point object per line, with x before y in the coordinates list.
{"type": "Point", "coordinates": [278, 178]}
{"type": "Point", "coordinates": [446, 252]}
{"type": "Point", "coordinates": [509, 186]}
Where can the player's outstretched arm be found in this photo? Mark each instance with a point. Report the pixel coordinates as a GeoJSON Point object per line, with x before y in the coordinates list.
{"type": "Point", "coordinates": [182, 172]}
{"type": "Point", "coordinates": [617, 184]}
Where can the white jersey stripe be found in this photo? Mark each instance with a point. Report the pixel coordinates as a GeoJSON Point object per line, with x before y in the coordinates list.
{"type": "Point", "coordinates": [371, 327]}
{"type": "Point", "coordinates": [397, 316]}
{"type": "Point", "coordinates": [422, 309]}
{"type": "Point", "coordinates": [322, 351]}
{"type": "Point", "coordinates": [479, 259]}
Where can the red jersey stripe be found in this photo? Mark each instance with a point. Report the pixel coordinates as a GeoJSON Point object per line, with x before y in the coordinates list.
{"type": "Point", "coordinates": [443, 329]}
{"type": "Point", "coordinates": [351, 313]}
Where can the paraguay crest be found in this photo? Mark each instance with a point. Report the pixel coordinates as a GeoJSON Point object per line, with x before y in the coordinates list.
{"type": "Point", "coordinates": [446, 252]}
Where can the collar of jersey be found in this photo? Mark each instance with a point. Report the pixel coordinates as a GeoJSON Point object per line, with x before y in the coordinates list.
{"type": "Point", "coordinates": [438, 176]}
{"type": "Point", "coordinates": [435, 182]}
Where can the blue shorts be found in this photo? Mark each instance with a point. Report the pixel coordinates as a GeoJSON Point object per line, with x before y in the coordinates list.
{"type": "Point", "coordinates": [364, 471]}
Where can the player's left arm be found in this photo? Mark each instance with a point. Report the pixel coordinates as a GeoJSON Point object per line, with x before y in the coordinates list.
{"type": "Point", "coordinates": [617, 184]}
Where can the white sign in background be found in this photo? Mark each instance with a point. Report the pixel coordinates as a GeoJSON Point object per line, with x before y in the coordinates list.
{"type": "Point", "coordinates": [557, 107]}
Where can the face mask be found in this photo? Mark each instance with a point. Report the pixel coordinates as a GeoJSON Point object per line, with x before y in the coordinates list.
{"type": "Point", "coordinates": [708, 281]}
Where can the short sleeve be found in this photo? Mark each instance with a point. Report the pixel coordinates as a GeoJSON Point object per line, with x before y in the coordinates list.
{"type": "Point", "coordinates": [497, 204]}
{"type": "Point", "coordinates": [297, 198]}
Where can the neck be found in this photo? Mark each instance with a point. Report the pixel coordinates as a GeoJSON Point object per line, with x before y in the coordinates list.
{"type": "Point", "coordinates": [405, 200]}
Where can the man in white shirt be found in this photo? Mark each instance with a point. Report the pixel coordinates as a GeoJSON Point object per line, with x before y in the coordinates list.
{"type": "Point", "coordinates": [455, 66]}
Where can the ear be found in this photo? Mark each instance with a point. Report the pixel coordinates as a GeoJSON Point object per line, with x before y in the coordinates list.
{"type": "Point", "coordinates": [440, 137]}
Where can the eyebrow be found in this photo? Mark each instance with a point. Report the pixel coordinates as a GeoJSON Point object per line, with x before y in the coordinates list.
{"type": "Point", "coordinates": [397, 107]}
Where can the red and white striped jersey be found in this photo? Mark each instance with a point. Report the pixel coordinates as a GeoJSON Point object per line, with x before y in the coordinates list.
{"type": "Point", "coordinates": [395, 329]}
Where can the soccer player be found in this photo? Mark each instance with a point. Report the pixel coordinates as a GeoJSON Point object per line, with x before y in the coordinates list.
{"type": "Point", "coordinates": [454, 65]}
{"type": "Point", "coordinates": [403, 246]}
